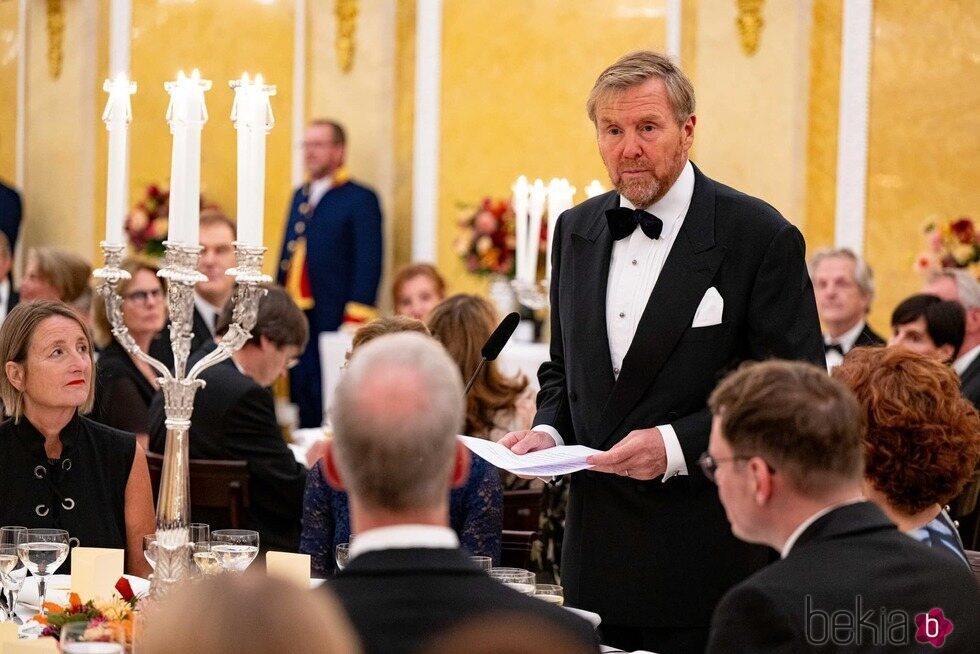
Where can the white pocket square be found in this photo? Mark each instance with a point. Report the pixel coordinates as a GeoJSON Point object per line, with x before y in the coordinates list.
{"type": "Point", "coordinates": [710, 310]}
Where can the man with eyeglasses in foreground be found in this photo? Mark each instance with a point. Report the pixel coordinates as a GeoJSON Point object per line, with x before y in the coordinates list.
{"type": "Point", "coordinates": [785, 452]}
{"type": "Point", "coordinates": [235, 418]}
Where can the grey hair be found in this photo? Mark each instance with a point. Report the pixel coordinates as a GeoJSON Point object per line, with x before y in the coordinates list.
{"type": "Point", "coordinates": [967, 287]}
{"type": "Point", "coordinates": [636, 68]}
{"type": "Point", "coordinates": [863, 275]}
{"type": "Point", "coordinates": [396, 412]}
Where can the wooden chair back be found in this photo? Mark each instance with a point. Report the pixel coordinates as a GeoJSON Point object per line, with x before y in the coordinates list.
{"type": "Point", "coordinates": [218, 489]}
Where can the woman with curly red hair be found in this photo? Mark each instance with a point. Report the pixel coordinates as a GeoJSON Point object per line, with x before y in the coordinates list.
{"type": "Point", "coordinates": [922, 440]}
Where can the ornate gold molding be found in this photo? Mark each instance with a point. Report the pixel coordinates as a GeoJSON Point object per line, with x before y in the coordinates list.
{"type": "Point", "coordinates": [346, 12]}
{"type": "Point", "coordinates": [56, 37]}
{"type": "Point", "coordinates": [750, 23]}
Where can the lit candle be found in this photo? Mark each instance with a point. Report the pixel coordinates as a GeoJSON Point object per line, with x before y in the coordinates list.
{"type": "Point", "coordinates": [519, 205]}
{"type": "Point", "coordinates": [593, 189]}
{"type": "Point", "coordinates": [117, 116]}
{"type": "Point", "coordinates": [536, 207]}
{"type": "Point", "coordinates": [240, 116]}
{"type": "Point", "coordinates": [187, 114]}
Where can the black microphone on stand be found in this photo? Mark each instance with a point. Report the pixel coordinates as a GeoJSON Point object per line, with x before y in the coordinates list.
{"type": "Point", "coordinates": [498, 339]}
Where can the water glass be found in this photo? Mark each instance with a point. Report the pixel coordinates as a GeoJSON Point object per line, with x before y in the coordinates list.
{"type": "Point", "coordinates": [235, 549]}
{"type": "Point", "coordinates": [43, 552]}
{"type": "Point", "coordinates": [197, 533]}
{"type": "Point", "coordinates": [342, 555]}
{"type": "Point", "coordinates": [86, 638]}
{"type": "Point", "coordinates": [551, 593]}
{"type": "Point", "coordinates": [517, 578]}
{"type": "Point", "coordinates": [205, 562]}
{"type": "Point", "coordinates": [484, 563]}
{"type": "Point", "coordinates": [150, 549]}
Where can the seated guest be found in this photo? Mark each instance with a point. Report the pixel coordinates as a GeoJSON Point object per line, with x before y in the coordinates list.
{"type": "Point", "coordinates": [475, 508]}
{"type": "Point", "coordinates": [8, 296]}
{"type": "Point", "coordinates": [397, 410]}
{"type": "Point", "coordinates": [914, 413]}
{"type": "Point", "coordinates": [234, 418]}
{"type": "Point", "coordinates": [56, 274]}
{"type": "Point", "coordinates": [928, 325]}
{"type": "Point", "coordinates": [417, 288]}
{"type": "Point", "coordinates": [217, 615]}
{"type": "Point", "coordinates": [960, 286]}
{"type": "Point", "coordinates": [785, 451]}
{"type": "Point", "coordinates": [124, 383]}
{"type": "Point", "coordinates": [496, 404]}
{"type": "Point", "coordinates": [844, 288]}
{"type": "Point", "coordinates": [58, 468]}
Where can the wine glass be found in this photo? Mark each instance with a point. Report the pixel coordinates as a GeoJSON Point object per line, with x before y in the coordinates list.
{"type": "Point", "coordinates": [150, 549]}
{"type": "Point", "coordinates": [342, 555]}
{"type": "Point", "coordinates": [86, 638]}
{"type": "Point", "coordinates": [517, 578]}
{"type": "Point", "coordinates": [235, 549]}
{"type": "Point", "coordinates": [551, 593]}
{"type": "Point", "coordinates": [43, 552]}
{"type": "Point", "coordinates": [12, 576]}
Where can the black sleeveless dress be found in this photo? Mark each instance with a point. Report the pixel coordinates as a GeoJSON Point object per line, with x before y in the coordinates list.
{"type": "Point", "coordinates": [83, 492]}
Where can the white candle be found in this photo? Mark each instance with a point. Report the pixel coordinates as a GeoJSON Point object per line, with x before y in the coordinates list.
{"type": "Point", "coordinates": [253, 118]}
{"type": "Point", "coordinates": [239, 115]}
{"type": "Point", "coordinates": [519, 205]}
{"type": "Point", "coordinates": [187, 114]}
{"type": "Point", "coordinates": [593, 189]}
{"type": "Point", "coordinates": [555, 204]}
{"type": "Point", "coordinates": [536, 207]}
{"type": "Point", "coordinates": [117, 116]}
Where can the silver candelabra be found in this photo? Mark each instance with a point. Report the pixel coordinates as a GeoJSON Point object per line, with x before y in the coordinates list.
{"type": "Point", "coordinates": [179, 386]}
{"type": "Point", "coordinates": [533, 295]}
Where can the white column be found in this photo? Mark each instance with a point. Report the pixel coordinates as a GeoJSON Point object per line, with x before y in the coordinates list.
{"type": "Point", "coordinates": [852, 135]}
{"type": "Point", "coordinates": [674, 30]}
{"type": "Point", "coordinates": [299, 92]}
{"type": "Point", "coordinates": [425, 161]}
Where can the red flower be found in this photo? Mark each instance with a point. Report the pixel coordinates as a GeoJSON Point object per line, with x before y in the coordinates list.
{"type": "Point", "coordinates": [125, 590]}
{"type": "Point", "coordinates": [963, 230]}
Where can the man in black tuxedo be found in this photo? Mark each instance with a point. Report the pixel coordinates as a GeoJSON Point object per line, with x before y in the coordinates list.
{"type": "Point", "coordinates": [960, 286]}
{"type": "Point", "coordinates": [643, 323]}
{"type": "Point", "coordinates": [786, 453]}
{"type": "Point", "coordinates": [11, 213]}
{"type": "Point", "coordinates": [843, 285]}
{"type": "Point", "coordinates": [396, 413]}
{"type": "Point", "coordinates": [234, 418]}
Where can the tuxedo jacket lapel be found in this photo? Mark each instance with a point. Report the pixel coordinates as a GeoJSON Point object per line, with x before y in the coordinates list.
{"type": "Point", "coordinates": [686, 275]}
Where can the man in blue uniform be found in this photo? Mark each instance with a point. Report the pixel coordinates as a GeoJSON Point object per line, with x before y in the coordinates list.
{"type": "Point", "coordinates": [331, 255]}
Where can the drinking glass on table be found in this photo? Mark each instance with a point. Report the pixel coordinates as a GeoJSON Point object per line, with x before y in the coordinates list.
{"type": "Point", "coordinates": [342, 555]}
{"type": "Point", "coordinates": [43, 551]}
{"type": "Point", "coordinates": [484, 563]}
{"type": "Point", "coordinates": [235, 549]}
{"type": "Point", "coordinates": [198, 540]}
{"type": "Point", "coordinates": [551, 593]}
{"type": "Point", "coordinates": [204, 560]}
{"type": "Point", "coordinates": [13, 573]}
{"type": "Point", "coordinates": [85, 638]}
{"type": "Point", "coordinates": [517, 578]}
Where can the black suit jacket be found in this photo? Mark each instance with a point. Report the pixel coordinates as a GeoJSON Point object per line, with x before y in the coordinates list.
{"type": "Point", "coordinates": [12, 299]}
{"type": "Point", "coordinates": [235, 418]}
{"type": "Point", "coordinates": [970, 382]}
{"type": "Point", "coordinates": [11, 212]}
{"type": "Point", "coordinates": [868, 338]}
{"type": "Point", "coordinates": [852, 552]}
{"type": "Point", "coordinates": [399, 599]}
{"type": "Point", "coordinates": [646, 553]}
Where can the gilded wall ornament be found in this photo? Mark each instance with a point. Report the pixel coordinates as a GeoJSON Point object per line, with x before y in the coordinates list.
{"type": "Point", "coordinates": [346, 12]}
{"type": "Point", "coordinates": [56, 37]}
{"type": "Point", "coordinates": [750, 23]}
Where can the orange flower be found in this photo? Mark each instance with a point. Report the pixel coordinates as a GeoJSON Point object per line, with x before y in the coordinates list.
{"type": "Point", "coordinates": [74, 600]}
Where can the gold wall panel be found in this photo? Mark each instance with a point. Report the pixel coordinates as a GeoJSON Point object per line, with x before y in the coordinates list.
{"type": "Point", "coordinates": [924, 151]}
{"type": "Point", "coordinates": [9, 58]}
{"type": "Point", "coordinates": [822, 125]}
{"type": "Point", "coordinates": [515, 77]}
{"type": "Point", "coordinates": [404, 119]}
{"type": "Point", "coordinates": [223, 38]}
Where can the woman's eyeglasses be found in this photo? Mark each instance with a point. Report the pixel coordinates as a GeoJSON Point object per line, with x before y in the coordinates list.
{"type": "Point", "coordinates": [143, 296]}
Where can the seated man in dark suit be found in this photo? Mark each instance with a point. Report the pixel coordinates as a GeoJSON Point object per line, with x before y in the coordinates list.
{"type": "Point", "coordinates": [785, 451]}
{"type": "Point", "coordinates": [396, 413]}
{"type": "Point", "coordinates": [8, 296]}
{"type": "Point", "coordinates": [960, 286]}
{"type": "Point", "coordinates": [234, 418]}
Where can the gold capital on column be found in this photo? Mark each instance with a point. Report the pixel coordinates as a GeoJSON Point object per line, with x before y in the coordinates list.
{"type": "Point", "coordinates": [346, 12]}
{"type": "Point", "coordinates": [56, 37]}
{"type": "Point", "coordinates": [750, 23]}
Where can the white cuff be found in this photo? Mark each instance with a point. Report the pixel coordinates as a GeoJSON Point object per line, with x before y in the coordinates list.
{"type": "Point", "coordinates": [676, 465]}
{"type": "Point", "coordinates": [551, 431]}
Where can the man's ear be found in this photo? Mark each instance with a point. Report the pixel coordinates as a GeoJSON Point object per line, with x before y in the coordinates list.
{"type": "Point", "coordinates": [460, 472]}
{"type": "Point", "coordinates": [15, 373]}
{"type": "Point", "coordinates": [330, 470]}
{"type": "Point", "coordinates": [761, 479]}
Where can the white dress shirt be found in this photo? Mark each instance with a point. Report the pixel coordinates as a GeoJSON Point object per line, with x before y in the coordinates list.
{"type": "Point", "coordinates": [634, 268]}
{"type": "Point", "coordinates": [319, 188]}
{"type": "Point", "coordinates": [208, 311]}
{"type": "Point", "coordinates": [963, 362]}
{"type": "Point", "coordinates": [400, 537]}
{"type": "Point", "coordinates": [4, 298]}
{"type": "Point", "coordinates": [846, 341]}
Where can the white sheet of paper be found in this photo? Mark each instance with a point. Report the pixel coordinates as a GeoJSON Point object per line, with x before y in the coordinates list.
{"type": "Point", "coordinates": [289, 566]}
{"type": "Point", "coordinates": [559, 460]}
{"type": "Point", "coordinates": [95, 571]}
{"type": "Point", "coordinates": [39, 646]}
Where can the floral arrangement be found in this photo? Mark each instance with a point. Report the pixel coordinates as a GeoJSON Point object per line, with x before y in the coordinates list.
{"type": "Point", "coordinates": [99, 614]}
{"type": "Point", "coordinates": [147, 223]}
{"type": "Point", "coordinates": [955, 244]}
{"type": "Point", "coordinates": [486, 240]}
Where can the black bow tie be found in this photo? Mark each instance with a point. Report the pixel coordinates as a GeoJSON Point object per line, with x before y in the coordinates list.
{"type": "Point", "coordinates": [833, 346]}
{"type": "Point", "coordinates": [622, 222]}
